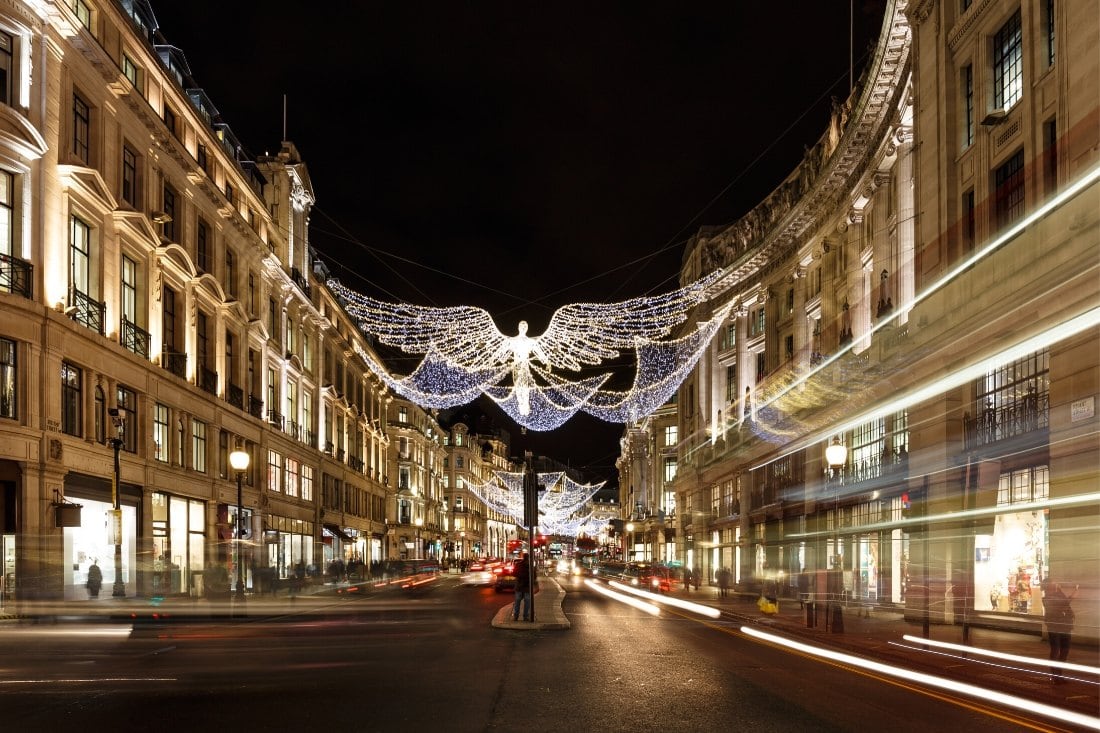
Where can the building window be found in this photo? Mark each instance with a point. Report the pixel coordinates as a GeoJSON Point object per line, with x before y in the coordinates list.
{"type": "Point", "coordinates": [83, 12]}
{"type": "Point", "coordinates": [171, 224]}
{"type": "Point", "coordinates": [307, 483]}
{"type": "Point", "coordinates": [758, 321]}
{"type": "Point", "coordinates": [202, 246]}
{"type": "Point", "coordinates": [968, 105]}
{"type": "Point", "coordinates": [129, 290]}
{"type": "Point", "coordinates": [670, 470]}
{"type": "Point", "coordinates": [274, 471]}
{"type": "Point", "coordinates": [223, 454]}
{"type": "Point", "coordinates": [160, 432]}
{"type": "Point", "coordinates": [1008, 63]}
{"type": "Point", "coordinates": [273, 320]}
{"type": "Point", "coordinates": [671, 435]}
{"type": "Point", "coordinates": [731, 384]}
{"type": "Point", "coordinates": [200, 157]}
{"type": "Point", "coordinates": [292, 473]}
{"type": "Point", "coordinates": [129, 176]}
{"type": "Point", "coordinates": [127, 410]}
{"type": "Point", "coordinates": [1049, 19]}
{"type": "Point", "coordinates": [80, 253]}
{"type": "Point", "coordinates": [231, 272]}
{"type": "Point", "coordinates": [198, 445]}
{"type": "Point", "coordinates": [968, 222]}
{"type": "Point", "coordinates": [251, 294]}
{"type": "Point", "coordinates": [761, 365]}
{"type": "Point", "coordinates": [72, 409]}
{"type": "Point", "coordinates": [7, 214]}
{"type": "Point", "coordinates": [291, 341]}
{"type": "Point", "coordinates": [788, 347]}
{"type": "Point", "coordinates": [1009, 192]}
{"type": "Point", "coordinates": [1050, 157]}
{"type": "Point", "coordinates": [168, 320]}
{"type": "Point", "coordinates": [82, 124]}
{"type": "Point", "coordinates": [99, 415]}
{"type": "Point", "coordinates": [8, 403]}
{"type": "Point", "coordinates": [170, 119]}
{"type": "Point", "coordinates": [1024, 486]}
{"type": "Point", "coordinates": [130, 71]}
{"type": "Point", "coordinates": [7, 67]}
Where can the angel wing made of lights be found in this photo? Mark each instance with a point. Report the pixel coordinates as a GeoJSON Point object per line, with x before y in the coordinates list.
{"type": "Point", "coordinates": [466, 352]}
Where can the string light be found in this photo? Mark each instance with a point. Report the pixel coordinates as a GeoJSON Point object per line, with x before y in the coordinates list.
{"type": "Point", "coordinates": [465, 354]}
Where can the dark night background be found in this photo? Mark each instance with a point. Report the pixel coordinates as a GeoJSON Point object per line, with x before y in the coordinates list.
{"type": "Point", "coordinates": [520, 156]}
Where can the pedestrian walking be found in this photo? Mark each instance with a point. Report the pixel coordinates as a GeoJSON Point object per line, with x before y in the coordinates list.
{"type": "Point", "coordinates": [687, 578]}
{"type": "Point", "coordinates": [724, 577]}
{"type": "Point", "coordinates": [1058, 616]}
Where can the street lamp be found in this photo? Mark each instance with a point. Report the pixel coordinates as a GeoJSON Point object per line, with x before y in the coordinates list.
{"type": "Point", "coordinates": [119, 589]}
{"type": "Point", "coordinates": [238, 461]}
{"type": "Point", "coordinates": [628, 539]}
{"type": "Point", "coordinates": [836, 455]}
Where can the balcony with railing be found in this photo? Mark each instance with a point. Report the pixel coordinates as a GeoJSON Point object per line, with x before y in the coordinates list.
{"type": "Point", "coordinates": [300, 280]}
{"type": "Point", "coordinates": [175, 362]}
{"type": "Point", "coordinates": [16, 276]}
{"type": "Point", "coordinates": [276, 418]}
{"type": "Point", "coordinates": [255, 407]}
{"type": "Point", "coordinates": [134, 338]}
{"type": "Point", "coordinates": [86, 310]}
{"type": "Point", "coordinates": [293, 429]}
{"type": "Point", "coordinates": [208, 380]}
{"type": "Point", "coordinates": [356, 463]}
{"type": "Point", "coordinates": [309, 438]}
{"type": "Point", "coordinates": [995, 424]}
{"type": "Point", "coordinates": [234, 395]}
{"type": "Point", "coordinates": [330, 448]}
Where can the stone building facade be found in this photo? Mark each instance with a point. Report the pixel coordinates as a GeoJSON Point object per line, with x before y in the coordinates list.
{"type": "Point", "coordinates": [920, 294]}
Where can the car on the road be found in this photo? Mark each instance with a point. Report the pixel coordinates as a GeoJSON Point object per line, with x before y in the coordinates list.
{"type": "Point", "coordinates": [504, 577]}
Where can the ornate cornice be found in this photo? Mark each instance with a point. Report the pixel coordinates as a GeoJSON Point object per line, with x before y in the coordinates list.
{"type": "Point", "coordinates": [760, 241]}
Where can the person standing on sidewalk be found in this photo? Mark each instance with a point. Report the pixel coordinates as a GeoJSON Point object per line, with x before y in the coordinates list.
{"type": "Point", "coordinates": [723, 582]}
{"type": "Point", "coordinates": [1059, 620]}
{"type": "Point", "coordinates": [522, 571]}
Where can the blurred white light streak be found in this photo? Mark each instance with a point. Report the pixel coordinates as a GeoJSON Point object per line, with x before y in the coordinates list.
{"type": "Point", "coordinates": [84, 681]}
{"type": "Point", "coordinates": [628, 600]}
{"type": "Point", "coordinates": [1038, 661]}
{"type": "Point", "coordinates": [1001, 698]}
{"type": "Point", "coordinates": [1065, 195]}
{"type": "Point", "coordinates": [64, 630]}
{"type": "Point", "coordinates": [668, 600]}
{"type": "Point", "coordinates": [1083, 322]}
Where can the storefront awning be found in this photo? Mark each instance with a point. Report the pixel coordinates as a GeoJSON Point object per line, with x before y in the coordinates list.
{"type": "Point", "coordinates": [337, 532]}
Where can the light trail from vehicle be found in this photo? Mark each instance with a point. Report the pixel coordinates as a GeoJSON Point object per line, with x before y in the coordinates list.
{"type": "Point", "coordinates": [1037, 661]}
{"type": "Point", "coordinates": [1001, 698]}
{"type": "Point", "coordinates": [623, 598]}
{"type": "Point", "coordinates": [668, 600]}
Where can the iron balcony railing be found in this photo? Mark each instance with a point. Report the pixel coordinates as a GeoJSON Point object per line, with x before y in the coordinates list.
{"type": "Point", "coordinates": [16, 276]}
{"type": "Point", "coordinates": [293, 429]}
{"type": "Point", "coordinates": [175, 362]}
{"type": "Point", "coordinates": [135, 338]}
{"type": "Point", "coordinates": [255, 406]}
{"type": "Point", "coordinates": [234, 395]}
{"type": "Point", "coordinates": [993, 424]}
{"type": "Point", "coordinates": [208, 380]}
{"type": "Point", "coordinates": [88, 312]}
{"type": "Point", "coordinates": [275, 418]}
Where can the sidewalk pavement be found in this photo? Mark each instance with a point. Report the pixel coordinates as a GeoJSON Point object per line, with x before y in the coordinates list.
{"type": "Point", "coordinates": [876, 633]}
{"type": "Point", "coordinates": [548, 610]}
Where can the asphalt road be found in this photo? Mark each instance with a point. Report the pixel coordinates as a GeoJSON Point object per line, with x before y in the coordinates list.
{"type": "Point", "coordinates": [394, 661]}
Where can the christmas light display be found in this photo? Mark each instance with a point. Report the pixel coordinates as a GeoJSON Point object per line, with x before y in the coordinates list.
{"type": "Point", "coordinates": [465, 354]}
{"type": "Point", "coordinates": [559, 502]}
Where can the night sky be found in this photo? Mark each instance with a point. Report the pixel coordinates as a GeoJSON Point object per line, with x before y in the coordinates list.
{"type": "Point", "coordinates": [522, 155]}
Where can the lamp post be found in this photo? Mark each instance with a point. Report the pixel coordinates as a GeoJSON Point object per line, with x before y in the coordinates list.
{"type": "Point", "coordinates": [119, 589]}
{"type": "Point", "coordinates": [238, 461]}
{"type": "Point", "coordinates": [836, 455]}
{"type": "Point", "coordinates": [628, 541]}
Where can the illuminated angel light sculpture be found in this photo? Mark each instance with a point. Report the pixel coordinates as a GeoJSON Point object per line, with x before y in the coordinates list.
{"type": "Point", "coordinates": [559, 503]}
{"type": "Point", "coordinates": [465, 354]}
